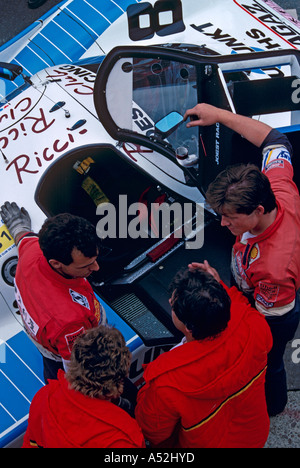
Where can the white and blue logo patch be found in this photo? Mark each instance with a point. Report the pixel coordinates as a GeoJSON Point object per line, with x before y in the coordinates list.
{"type": "Point", "coordinates": [274, 156]}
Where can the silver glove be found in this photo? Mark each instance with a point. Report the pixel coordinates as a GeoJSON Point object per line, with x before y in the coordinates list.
{"type": "Point", "coordinates": [16, 219]}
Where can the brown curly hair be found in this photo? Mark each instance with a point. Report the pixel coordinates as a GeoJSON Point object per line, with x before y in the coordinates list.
{"type": "Point", "coordinates": [99, 363]}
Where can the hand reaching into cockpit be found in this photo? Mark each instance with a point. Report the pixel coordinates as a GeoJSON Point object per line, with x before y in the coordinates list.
{"type": "Point", "coordinates": [202, 115]}
{"type": "Point", "coordinates": [251, 129]}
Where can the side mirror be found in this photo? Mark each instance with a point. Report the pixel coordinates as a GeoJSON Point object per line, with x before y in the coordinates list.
{"type": "Point", "coordinates": [169, 123]}
{"type": "Point", "coordinates": [10, 71]}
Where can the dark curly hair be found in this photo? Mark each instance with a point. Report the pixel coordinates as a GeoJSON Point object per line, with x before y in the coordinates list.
{"type": "Point", "coordinates": [62, 233]}
{"type": "Point", "coordinates": [100, 362]}
{"type": "Point", "coordinates": [201, 303]}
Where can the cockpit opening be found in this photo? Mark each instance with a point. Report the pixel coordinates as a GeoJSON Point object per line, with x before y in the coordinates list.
{"type": "Point", "coordinates": [95, 182]}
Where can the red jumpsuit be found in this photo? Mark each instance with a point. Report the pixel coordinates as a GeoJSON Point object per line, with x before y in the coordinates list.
{"type": "Point", "coordinates": [210, 393]}
{"type": "Point", "coordinates": [64, 418]}
{"type": "Point", "coordinates": [268, 266]}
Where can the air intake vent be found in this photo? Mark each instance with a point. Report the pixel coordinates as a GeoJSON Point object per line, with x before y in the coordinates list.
{"type": "Point", "coordinates": [131, 309]}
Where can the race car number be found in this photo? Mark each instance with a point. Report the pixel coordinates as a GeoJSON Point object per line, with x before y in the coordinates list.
{"type": "Point", "coordinates": [6, 240]}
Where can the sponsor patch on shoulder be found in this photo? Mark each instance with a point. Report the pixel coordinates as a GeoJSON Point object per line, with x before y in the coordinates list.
{"type": "Point", "coordinates": [275, 157]}
{"type": "Point", "coordinates": [266, 304]}
{"type": "Point", "coordinates": [268, 291]}
{"type": "Point", "coordinates": [275, 165]}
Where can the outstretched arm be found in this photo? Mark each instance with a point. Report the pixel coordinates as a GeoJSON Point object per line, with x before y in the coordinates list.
{"type": "Point", "coordinates": [16, 219]}
{"type": "Point", "coordinates": [205, 115]}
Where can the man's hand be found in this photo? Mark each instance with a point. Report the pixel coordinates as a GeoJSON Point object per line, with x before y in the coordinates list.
{"type": "Point", "coordinates": [16, 219]}
{"type": "Point", "coordinates": [205, 267]}
{"type": "Point", "coordinates": [202, 115]}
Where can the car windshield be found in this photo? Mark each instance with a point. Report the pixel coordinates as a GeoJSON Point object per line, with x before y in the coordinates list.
{"type": "Point", "coordinates": [161, 90]}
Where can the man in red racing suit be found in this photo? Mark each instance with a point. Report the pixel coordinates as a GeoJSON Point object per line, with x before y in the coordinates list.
{"type": "Point", "coordinates": [55, 310]}
{"type": "Point", "coordinates": [208, 392]}
{"type": "Point", "coordinates": [267, 265]}
{"type": "Point", "coordinates": [262, 209]}
{"type": "Point", "coordinates": [55, 299]}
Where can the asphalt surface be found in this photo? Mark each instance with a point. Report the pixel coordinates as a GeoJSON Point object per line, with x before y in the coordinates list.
{"type": "Point", "coordinates": [285, 428]}
{"type": "Point", "coordinates": [289, 4]}
{"type": "Point", "coordinates": [16, 16]}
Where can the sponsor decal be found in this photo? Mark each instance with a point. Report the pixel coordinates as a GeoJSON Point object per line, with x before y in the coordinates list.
{"type": "Point", "coordinates": [79, 299]}
{"type": "Point", "coordinates": [254, 254]}
{"type": "Point", "coordinates": [272, 22]}
{"type": "Point", "coordinates": [270, 28]}
{"type": "Point", "coordinates": [239, 273]}
{"type": "Point", "coordinates": [274, 155]}
{"type": "Point", "coordinates": [268, 291]}
{"type": "Point", "coordinates": [275, 165]}
{"type": "Point", "coordinates": [28, 121]}
{"type": "Point", "coordinates": [100, 313]}
{"type": "Point", "coordinates": [217, 34]}
{"type": "Point", "coordinates": [238, 265]}
{"type": "Point", "coordinates": [266, 304]}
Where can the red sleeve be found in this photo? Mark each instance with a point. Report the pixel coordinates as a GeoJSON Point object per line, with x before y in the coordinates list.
{"type": "Point", "coordinates": [156, 415]}
{"type": "Point", "coordinates": [235, 294]}
{"type": "Point", "coordinates": [33, 435]}
{"type": "Point", "coordinates": [27, 241]}
{"type": "Point", "coordinates": [63, 342]}
{"type": "Point", "coordinates": [275, 295]}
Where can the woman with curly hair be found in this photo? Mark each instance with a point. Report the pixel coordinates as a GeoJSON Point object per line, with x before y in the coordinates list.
{"type": "Point", "coordinates": [84, 407]}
